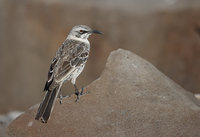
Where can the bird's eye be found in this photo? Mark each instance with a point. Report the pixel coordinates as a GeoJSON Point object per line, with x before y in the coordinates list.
{"type": "Point", "coordinates": [81, 31]}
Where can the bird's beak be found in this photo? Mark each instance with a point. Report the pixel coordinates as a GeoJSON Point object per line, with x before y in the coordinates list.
{"type": "Point", "coordinates": [96, 31]}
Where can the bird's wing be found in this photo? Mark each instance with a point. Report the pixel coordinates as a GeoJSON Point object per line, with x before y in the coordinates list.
{"type": "Point", "coordinates": [50, 74]}
{"type": "Point", "coordinates": [77, 57]}
{"type": "Point", "coordinates": [68, 58]}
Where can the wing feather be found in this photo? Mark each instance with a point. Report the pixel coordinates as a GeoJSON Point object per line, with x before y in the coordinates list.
{"type": "Point", "coordinates": [69, 56]}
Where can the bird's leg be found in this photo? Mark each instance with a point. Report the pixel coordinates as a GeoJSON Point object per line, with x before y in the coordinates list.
{"type": "Point", "coordinates": [82, 89]}
{"type": "Point", "coordinates": [76, 90]}
{"type": "Point", "coordinates": [83, 93]}
{"type": "Point", "coordinates": [78, 94]}
{"type": "Point", "coordinates": [61, 97]}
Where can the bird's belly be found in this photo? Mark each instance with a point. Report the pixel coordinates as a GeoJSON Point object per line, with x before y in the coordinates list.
{"type": "Point", "coordinates": [77, 72]}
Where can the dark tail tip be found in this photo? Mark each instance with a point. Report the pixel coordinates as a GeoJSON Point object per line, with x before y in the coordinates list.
{"type": "Point", "coordinates": [38, 115]}
{"type": "Point", "coordinates": [46, 106]}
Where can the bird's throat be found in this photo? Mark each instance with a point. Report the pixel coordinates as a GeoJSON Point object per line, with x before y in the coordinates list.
{"type": "Point", "coordinates": [78, 39]}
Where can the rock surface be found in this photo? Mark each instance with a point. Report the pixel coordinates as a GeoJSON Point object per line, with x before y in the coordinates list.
{"type": "Point", "coordinates": [131, 98]}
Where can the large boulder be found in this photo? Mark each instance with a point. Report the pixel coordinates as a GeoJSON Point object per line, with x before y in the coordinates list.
{"type": "Point", "coordinates": [130, 98]}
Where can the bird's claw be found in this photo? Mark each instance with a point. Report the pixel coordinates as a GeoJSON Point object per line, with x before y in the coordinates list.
{"type": "Point", "coordinates": [82, 89]}
{"type": "Point", "coordinates": [61, 97]}
{"type": "Point", "coordinates": [79, 94]}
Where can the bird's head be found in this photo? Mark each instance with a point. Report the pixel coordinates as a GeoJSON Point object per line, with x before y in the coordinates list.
{"type": "Point", "coordinates": [82, 32]}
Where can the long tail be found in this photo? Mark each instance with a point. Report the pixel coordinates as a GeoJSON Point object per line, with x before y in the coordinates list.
{"type": "Point", "coordinates": [47, 105]}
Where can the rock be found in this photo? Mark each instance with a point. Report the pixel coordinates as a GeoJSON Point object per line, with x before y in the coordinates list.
{"type": "Point", "coordinates": [130, 98]}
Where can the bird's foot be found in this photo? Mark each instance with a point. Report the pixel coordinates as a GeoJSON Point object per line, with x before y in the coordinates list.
{"type": "Point", "coordinates": [79, 94]}
{"type": "Point", "coordinates": [61, 97]}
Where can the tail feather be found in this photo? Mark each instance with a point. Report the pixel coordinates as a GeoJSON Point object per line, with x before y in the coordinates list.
{"type": "Point", "coordinates": [43, 105]}
{"type": "Point", "coordinates": [50, 105]}
{"type": "Point", "coordinates": [46, 106]}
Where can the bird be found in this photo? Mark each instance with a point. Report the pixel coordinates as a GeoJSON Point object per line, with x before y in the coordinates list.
{"type": "Point", "coordinates": [67, 65]}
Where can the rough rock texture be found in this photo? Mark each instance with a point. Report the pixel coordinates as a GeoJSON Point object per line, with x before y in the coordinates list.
{"type": "Point", "coordinates": [131, 98]}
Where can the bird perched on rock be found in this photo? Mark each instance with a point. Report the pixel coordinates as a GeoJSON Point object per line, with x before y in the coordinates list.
{"type": "Point", "coordinates": [67, 65]}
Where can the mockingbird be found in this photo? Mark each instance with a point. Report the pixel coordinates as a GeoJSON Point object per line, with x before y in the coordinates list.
{"type": "Point", "coordinates": [68, 63]}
